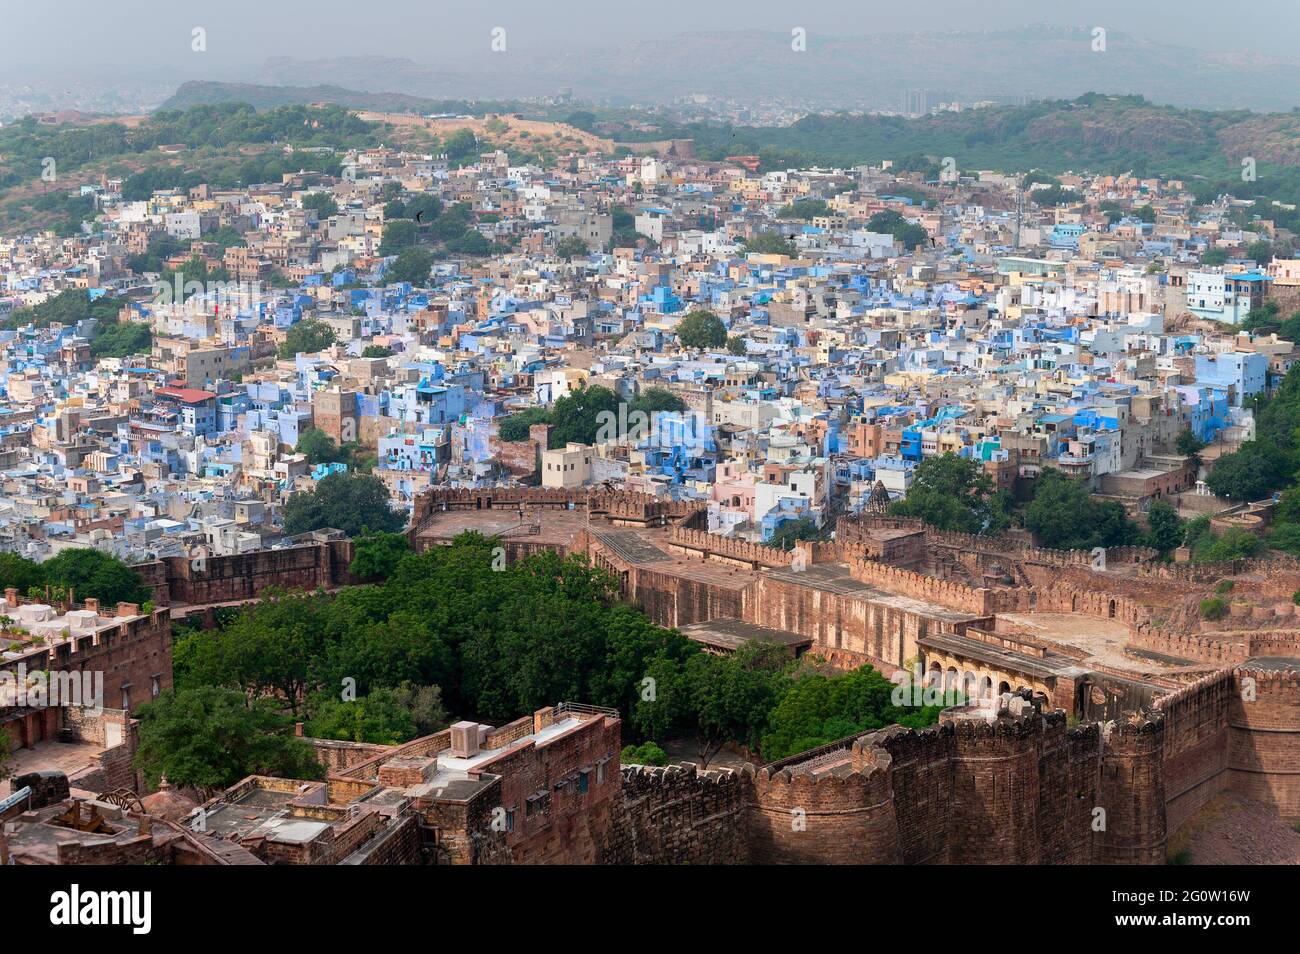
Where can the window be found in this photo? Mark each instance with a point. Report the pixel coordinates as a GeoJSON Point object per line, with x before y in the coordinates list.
{"type": "Point", "coordinates": [584, 781]}
{"type": "Point", "coordinates": [600, 772]}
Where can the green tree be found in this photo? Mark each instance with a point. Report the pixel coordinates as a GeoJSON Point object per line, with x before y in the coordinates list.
{"type": "Point", "coordinates": [424, 703]}
{"type": "Point", "coordinates": [701, 329]}
{"type": "Point", "coordinates": [322, 203]}
{"type": "Point", "coordinates": [18, 572]}
{"type": "Point", "coordinates": [1289, 330]}
{"type": "Point", "coordinates": [1260, 251]}
{"type": "Point", "coordinates": [1233, 544]}
{"type": "Point", "coordinates": [352, 503]}
{"type": "Point", "coordinates": [654, 400]}
{"type": "Point", "coordinates": [576, 417]}
{"type": "Point", "coordinates": [318, 447]}
{"type": "Point", "coordinates": [210, 738]}
{"type": "Point", "coordinates": [954, 493]}
{"type": "Point", "coordinates": [423, 209]}
{"type": "Point", "coordinates": [1188, 444]}
{"type": "Point", "coordinates": [267, 651]}
{"type": "Point", "coordinates": [88, 572]}
{"type": "Point", "coordinates": [1251, 473]}
{"type": "Point", "coordinates": [120, 339]}
{"type": "Point", "coordinates": [412, 265]}
{"type": "Point", "coordinates": [1064, 515]}
{"type": "Point", "coordinates": [647, 753]}
{"type": "Point", "coordinates": [805, 209]}
{"type": "Point", "coordinates": [736, 345]}
{"type": "Point", "coordinates": [460, 147]}
{"type": "Point", "coordinates": [1214, 256]}
{"type": "Point", "coordinates": [770, 243]}
{"type": "Point", "coordinates": [307, 336]}
{"type": "Point", "coordinates": [904, 232]}
{"type": "Point", "coordinates": [398, 234]}
{"type": "Point", "coordinates": [1213, 608]}
{"type": "Point", "coordinates": [819, 709]}
{"type": "Point", "coordinates": [377, 718]}
{"type": "Point", "coordinates": [1285, 537]}
{"type": "Point", "coordinates": [731, 696]}
{"type": "Point", "coordinates": [470, 242]}
{"type": "Point", "coordinates": [515, 427]}
{"type": "Point", "coordinates": [376, 556]}
{"type": "Point", "coordinates": [1165, 528]}
{"type": "Point", "coordinates": [1286, 511]}
{"type": "Point", "coordinates": [571, 247]}
{"type": "Point", "coordinates": [376, 351]}
{"type": "Point", "coordinates": [788, 532]}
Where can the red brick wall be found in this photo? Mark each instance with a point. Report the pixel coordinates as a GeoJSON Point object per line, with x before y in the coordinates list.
{"type": "Point", "coordinates": [800, 819]}
{"type": "Point", "coordinates": [1264, 738]}
{"type": "Point", "coordinates": [1195, 746]}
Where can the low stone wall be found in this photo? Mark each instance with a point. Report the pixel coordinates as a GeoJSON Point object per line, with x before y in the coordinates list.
{"type": "Point", "coordinates": [678, 815]}
{"type": "Point", "coordinates": [921, 587]}
{"type": "Point", "coordinates": [700, 543]}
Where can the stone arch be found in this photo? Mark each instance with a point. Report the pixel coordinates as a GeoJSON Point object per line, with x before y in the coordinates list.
{"type": "Point", "coordinates": [934, 675]}
{"type": "Point", "coordinates": [969, 684]}
{"type": "Point", "coordinates": [950, 680]}
{"type": "Point", "coordinates": [1111, 609]}
{"type": "Point", "coordinates": [986, 687]}
{"type": "Point", "coordinates": [1004, 687]}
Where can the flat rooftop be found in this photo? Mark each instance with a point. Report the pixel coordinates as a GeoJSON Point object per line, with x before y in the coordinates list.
{"type": "Point", "coordinates": [66, 757]}
{"type": "Point", "coordinates": [557, 527]}
{"type": "Point", "coordinates": [729, 633]}
{"type": "Point", "coordinates": [452, 778]}
{"type": "Point", "coordinates": [1000, 656]}
{"type": "Point", "coordinates": [1103, 640]}
{"type": "Point", "coordinates": [835, 578]}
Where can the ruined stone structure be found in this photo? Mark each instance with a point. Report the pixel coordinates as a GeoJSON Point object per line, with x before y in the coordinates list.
{"type": "Point", "coordinates": [1101, 638]}
{"type": "Point", "coordinates": [1168, 709]}
{"type": "Point", "coordinates": [313, 564]}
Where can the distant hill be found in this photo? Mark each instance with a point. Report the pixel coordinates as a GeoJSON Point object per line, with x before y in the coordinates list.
{"type": "Point", "coordinates": [837, 71]}
{"type": "Point", "coordinates": [203, 93]}
{"type": "Point", "coordinates": [1093, 132]}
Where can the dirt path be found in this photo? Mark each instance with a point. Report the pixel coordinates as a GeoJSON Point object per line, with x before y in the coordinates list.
{"type": "Point", "coordinates": [1234, 830]}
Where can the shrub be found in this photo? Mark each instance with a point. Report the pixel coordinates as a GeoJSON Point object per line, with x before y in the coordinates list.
{"type": "Point", "coordinates": [645, 754]}
{"type": "Point", "coordinates": [1213, 608]}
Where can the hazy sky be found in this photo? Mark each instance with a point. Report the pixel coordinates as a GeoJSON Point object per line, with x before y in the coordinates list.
{"type": "Point", "coordinates": [43, 38]}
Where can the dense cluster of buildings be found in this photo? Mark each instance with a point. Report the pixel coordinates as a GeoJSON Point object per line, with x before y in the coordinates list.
{"type": "Point", "coordinates": [1083, 336]}
{"type": "Point", "coordinates": [869, 319]}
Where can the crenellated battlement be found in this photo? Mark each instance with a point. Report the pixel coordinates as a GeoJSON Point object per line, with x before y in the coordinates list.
{"type": "Point", "coordinates": [709, 546]}
{"type": "Point", "coordinates": [947, 593]}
